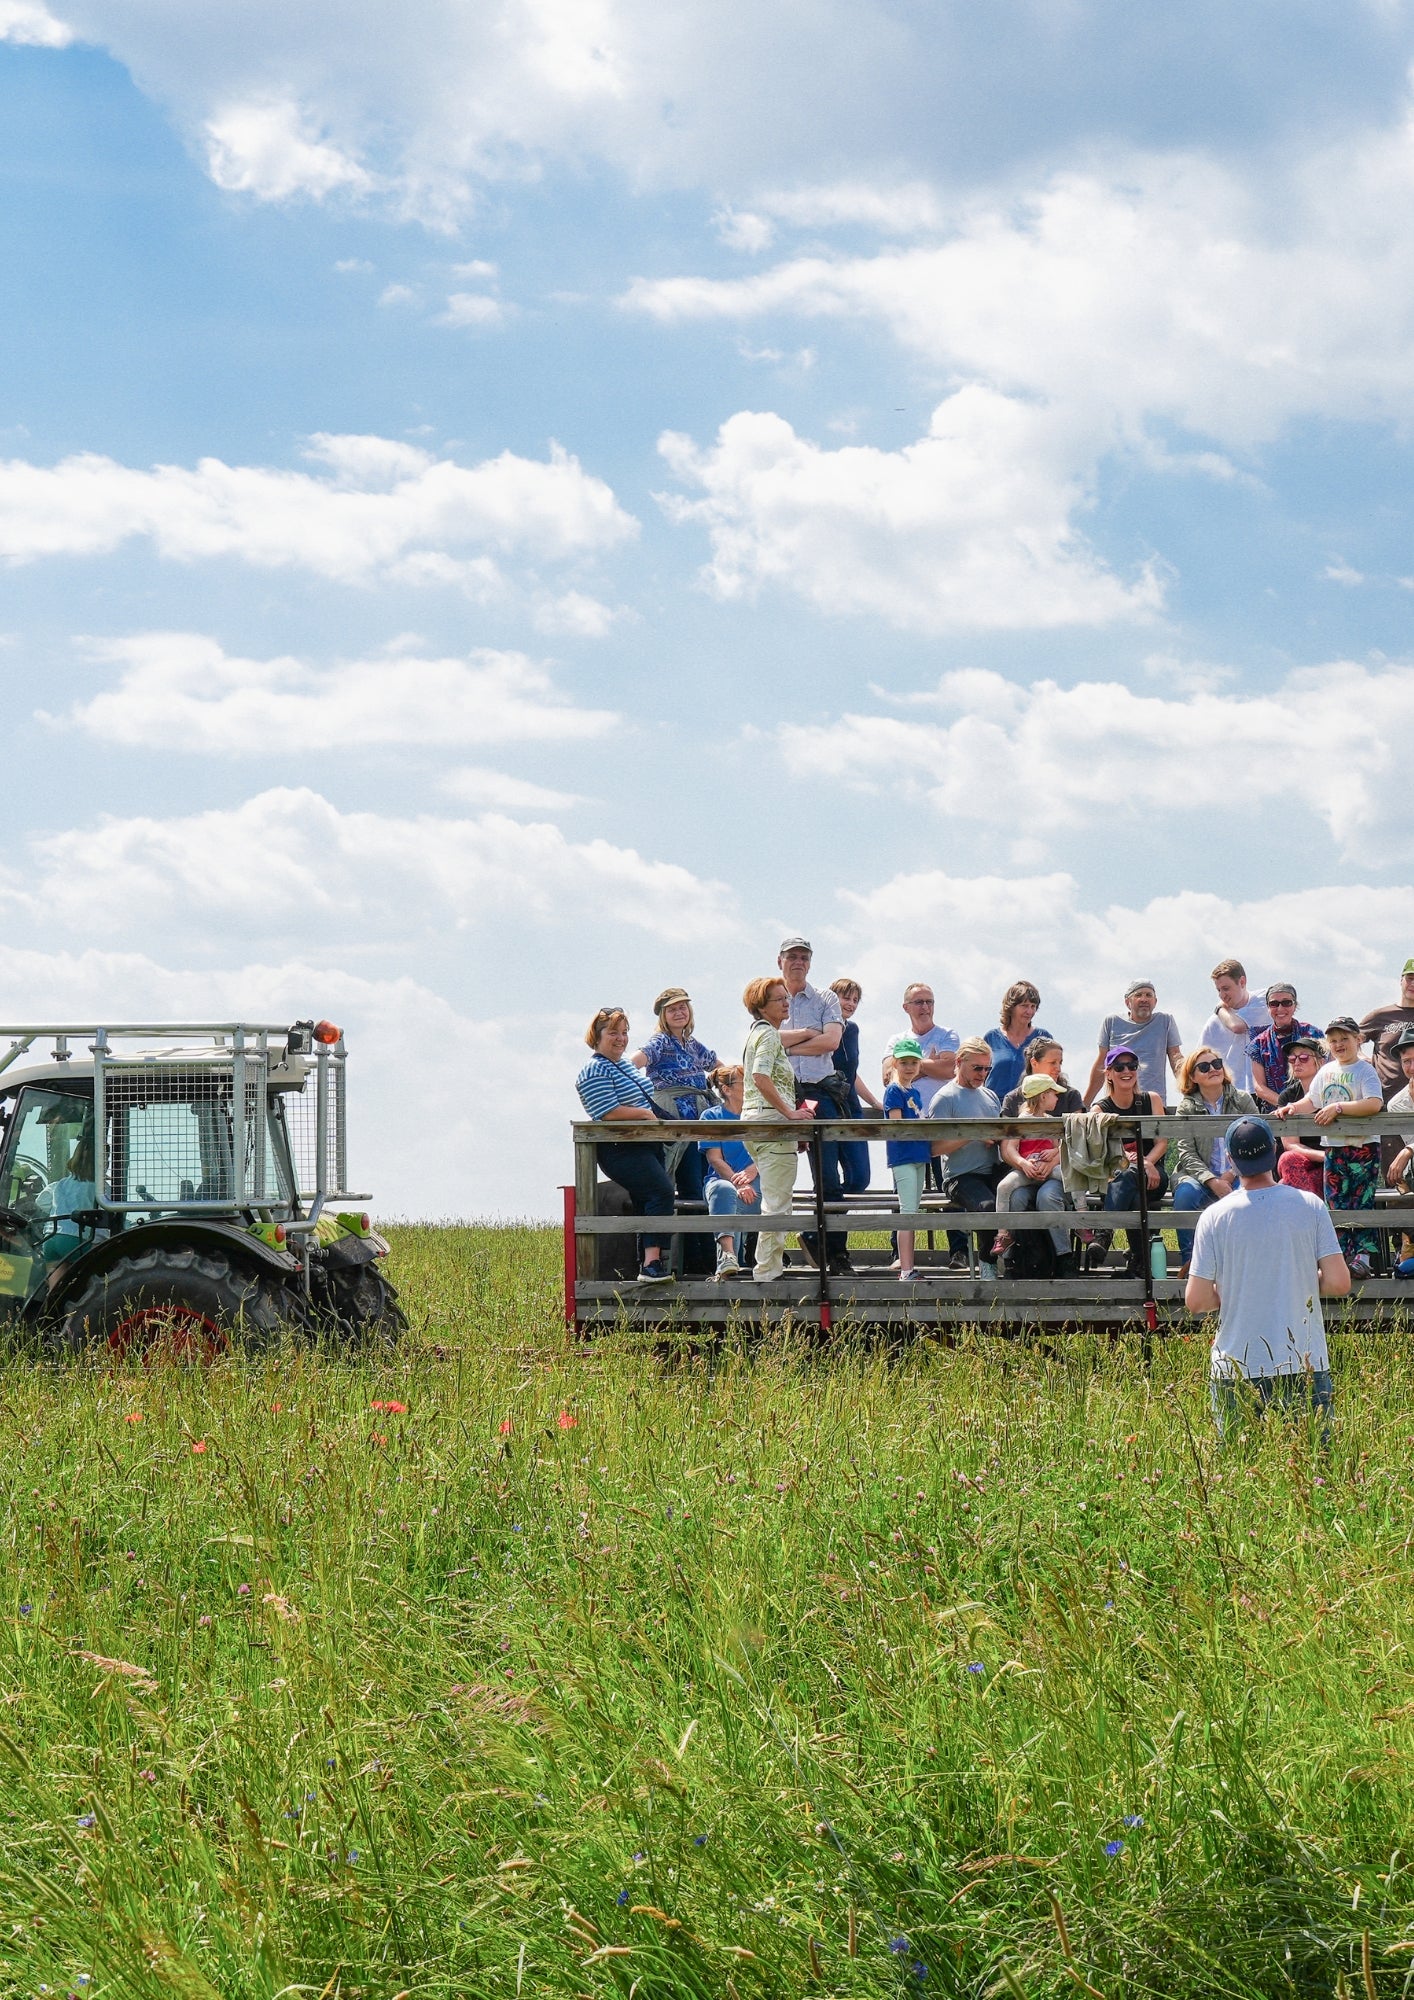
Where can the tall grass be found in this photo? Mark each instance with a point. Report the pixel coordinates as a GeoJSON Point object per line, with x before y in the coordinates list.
{"type": "Point", "coordinates": [595, 1671]}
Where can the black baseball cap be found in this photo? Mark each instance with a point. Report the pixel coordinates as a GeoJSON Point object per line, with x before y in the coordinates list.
{"type": "Point", "coordinates": [1345, 1024]}
{"type": "Point", "coordinates": [1253, 1146]}
{"type": "Point", "coordinates": [1312, 1044]}
{"type": "Point", "coordinates": [1404, 1039]}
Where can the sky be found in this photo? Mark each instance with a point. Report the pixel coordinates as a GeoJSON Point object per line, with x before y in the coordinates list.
{"type": "Point", "coordinates": [503, 510]}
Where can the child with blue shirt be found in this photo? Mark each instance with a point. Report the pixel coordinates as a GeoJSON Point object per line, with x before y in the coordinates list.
{"type": "Point", "coordinates": [732, 1174]}
{"type": "Point", "coordinates": [908, 1158]}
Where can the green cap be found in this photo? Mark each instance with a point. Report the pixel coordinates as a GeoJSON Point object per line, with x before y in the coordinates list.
{"type": "Point", "coordinates": [1409, 965]}
{"type": "Point", "coordinates": [907, 1046]}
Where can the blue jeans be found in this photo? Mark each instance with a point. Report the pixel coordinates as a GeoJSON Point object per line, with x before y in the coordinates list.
{"type": "Point", "coordinates": [1189, 1196]}
{"type": "Point", "coordinates": [723, 1199]}
{"type": "Point", "coordinates": [836, 1241]}
{"type": "Point", "coordinates": [855, 1171]}
{"type": "Point", "coordinates": [1235, 1401]}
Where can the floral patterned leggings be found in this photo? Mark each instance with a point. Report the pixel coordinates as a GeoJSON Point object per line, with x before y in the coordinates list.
{"type": "Point", "coordinates": [1352, 1176]}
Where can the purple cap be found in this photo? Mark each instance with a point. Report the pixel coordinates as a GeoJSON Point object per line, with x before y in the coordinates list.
{"type": "Point", "coordinates": [1113, 1055]}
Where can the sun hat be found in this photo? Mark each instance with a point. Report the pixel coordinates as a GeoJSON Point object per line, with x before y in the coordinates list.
{"type": "Point", "coordinates": [1408, 965]}
{"type": "Point", "coordinates": [795, 944]}
{"type": "Point", "coordinates": [1252, 1145]}
{"type": "Point", "coordinates": [1112, 1056]}
{"type": "Point", "coordinates": [907, 1046]}
{"type": "Point", "coordinates": [1036, 1085]}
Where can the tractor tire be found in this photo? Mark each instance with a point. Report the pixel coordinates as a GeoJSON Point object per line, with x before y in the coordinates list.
{"type": "Point", "coordinates": [365, 1306]}
{"type": "Point", "coordinates": [172, 1304]}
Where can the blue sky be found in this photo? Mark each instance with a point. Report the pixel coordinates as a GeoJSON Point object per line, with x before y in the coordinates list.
{"type": "Point", "coordinates": [511, 515]}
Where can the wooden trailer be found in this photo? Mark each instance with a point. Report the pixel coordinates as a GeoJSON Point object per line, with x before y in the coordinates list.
{"type": "Point", "coordinates": [1099, 1297]}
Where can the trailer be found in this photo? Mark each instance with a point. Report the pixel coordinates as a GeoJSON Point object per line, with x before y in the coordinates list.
{"type": "Point", "coordinates": [942, 1300]}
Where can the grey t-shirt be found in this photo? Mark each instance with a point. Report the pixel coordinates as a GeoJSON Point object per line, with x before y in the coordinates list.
{"type": "Point", "coordinates": [978, 1156]}
{"type": "Point", "coordinates": [1260, 1247]}
{"type": "Point", "coordinates": [1150, 1043]}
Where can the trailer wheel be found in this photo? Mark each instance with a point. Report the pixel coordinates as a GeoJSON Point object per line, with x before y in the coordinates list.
{"type": "Point", "coordinates": [171, 1305]}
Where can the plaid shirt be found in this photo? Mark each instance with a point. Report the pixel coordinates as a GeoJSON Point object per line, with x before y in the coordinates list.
{"type": "Point", "coordinates": [1266, 1049]}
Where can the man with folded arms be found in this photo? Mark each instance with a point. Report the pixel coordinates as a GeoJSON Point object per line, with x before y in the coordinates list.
{"type": "Point", "coordinates": [813, 1031]}
{"type": "Point", "coordinates": [1262, 1261]}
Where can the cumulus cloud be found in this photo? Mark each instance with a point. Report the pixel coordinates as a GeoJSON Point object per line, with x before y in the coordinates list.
{"type": "Point", "coordinates": [288, 860]}
{"type": "Point", "coordinates": [474, 785]}
{"type": "Point", "coordinates": [265, 149]}
{"type": "Point", "coordinates": [30, 23]}
{"type": "Point", "coordinates": [1092, 749]}
{"type": "Point", "coordinates": [183, 691]}
{"type": "Point", "coordinates": [471, 309]}
{"type": "Point", "coordinates": [972, 936]}
{"type": "Point", "coordinates": [376, 507]}
{"type": "Point", "coordinates": [1160, 286]}
{"type": "Point", "coordinates": [970, 527]}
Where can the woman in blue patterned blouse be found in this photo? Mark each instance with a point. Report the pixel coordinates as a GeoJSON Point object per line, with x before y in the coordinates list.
{"type": "Point", "coordinates": [678, 1066]}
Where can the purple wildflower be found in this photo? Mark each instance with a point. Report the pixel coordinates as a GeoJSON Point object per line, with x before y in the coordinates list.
{"type": "Point", "coordinates": [88, 1819]}
{"type": "Point", "coordinates": [977, 1667]}
{"type": "Point", "coordinates": [1134, 1819]}
{"type": "Point", "coordinates": [622, 1897]}
{"type": "Point", "coordinates": [899, 1946]}
{"type": "Point", "coordinates": [1113, 1847]}
{"type": "Point", "coordinates": [699, 1840]}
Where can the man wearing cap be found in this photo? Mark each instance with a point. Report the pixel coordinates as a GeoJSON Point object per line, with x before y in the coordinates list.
{"type": "Point", "coordinates": [1269, 1050]}
{"type": "Point", "coordinates": [1254, 1257]}
{"type": "Point", "coordinates": [813, 1031]}
{"type": "Point", "coordinates": [1152, 1035]}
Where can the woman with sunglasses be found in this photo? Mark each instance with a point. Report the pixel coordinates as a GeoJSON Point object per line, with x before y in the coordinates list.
{"type": "Point", "coordinates": [1123, 1097]}
{"type": "Point", "coordinates": [1203, 1173]}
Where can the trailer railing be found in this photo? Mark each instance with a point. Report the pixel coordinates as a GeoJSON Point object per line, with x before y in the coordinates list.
{"type": "Point", "coordinates": [942, 1296]}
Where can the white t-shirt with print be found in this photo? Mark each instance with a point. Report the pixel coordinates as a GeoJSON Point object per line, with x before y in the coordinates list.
{"type": "Point", "coordinates": [1344, 1083]}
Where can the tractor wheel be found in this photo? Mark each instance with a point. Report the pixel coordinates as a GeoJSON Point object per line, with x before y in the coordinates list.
{"type": "Point", "coordinates": [171, 1305]}
{"type": "Point", "coordinates": [365, 1305]}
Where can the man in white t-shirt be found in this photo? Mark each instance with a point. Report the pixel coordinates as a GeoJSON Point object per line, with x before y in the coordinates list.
{"type": "Point", "coordinates": [1263, 1259]}
{"type": "Point", "coordinates": [1238, 1015]}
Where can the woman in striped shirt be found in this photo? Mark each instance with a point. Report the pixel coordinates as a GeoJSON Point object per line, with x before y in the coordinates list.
{"type": "Point", "coordinates": [613, 1090]}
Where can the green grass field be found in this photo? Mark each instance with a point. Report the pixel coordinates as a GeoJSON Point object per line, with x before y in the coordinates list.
{"type": "Point", "coordinates": [595, 1671]}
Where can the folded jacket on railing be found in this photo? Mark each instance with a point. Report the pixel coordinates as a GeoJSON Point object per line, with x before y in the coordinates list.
{"type": "Point", "coordinates": [1092, 1148]}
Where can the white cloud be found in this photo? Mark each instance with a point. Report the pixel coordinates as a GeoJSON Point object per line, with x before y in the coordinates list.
{"type": "Point", "coordinates": [474, 785]}
{"type": "Point", "coordinates": [182, 691]}
{"type": "Point", "coordinates": [264, 148]}
{"type": "Point", "coordinates": [351, 265]}
{"type": "Point", "coordinates": [1336, 741]}
{"type": "Point", "coordinates": [30, 23]}
{"type": "Point", "coordinates": [476, 268]}
{"type": "Point", "coordinates": [574, 613]}
{"type": "Point", "coordinates": [740, 229]}
{"type": "Point", "coordinates": [471, 309]}
{"type": "Point", "coordinates": [379, 507]}
{"type": "Point", "coordinates": [908, 208]}
{"type": "Point", "coordinates": [289, 861]}
{"type": "Point", "coordinates": [397, 295]}
{"type": "Point", "coordinates": [969, 527]}
{"type": "Point", "coordinates": [1155, 286]}
{"type": "Point", "coordinates": [1341, 945]}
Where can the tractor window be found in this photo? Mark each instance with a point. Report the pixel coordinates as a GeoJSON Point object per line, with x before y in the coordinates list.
{"type": "Point", "coordinates": [48, 1170]}
{"type": "Point", "coordinates": [175, 1151]}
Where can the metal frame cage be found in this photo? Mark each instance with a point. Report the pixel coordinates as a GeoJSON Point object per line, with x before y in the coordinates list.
{"type": "Point", "coordinates": [190, 1116]}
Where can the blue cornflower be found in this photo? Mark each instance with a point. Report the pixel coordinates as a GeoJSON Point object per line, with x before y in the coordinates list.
{"type": "Point", "coordinates": [25, 1610]}
{"type": "Point", "coordinates": [622, 1897]}
{"type": "Point", "coordinates": [88, 1819]}
{"type": "Point", "coordinates": [920, 1970]}
{"type": "Point", "coordinates": [515, 1527]}
{"type": "Point", "coordinates": [1134, 1819]}
{"type": "Point", "coordinates": [639, 1857]}
{"type": "Point", "coordinates": [1114, 1847]}
{"type": "Point", "coordinates": [898, 1945]}
{"type": "Point", "coordinates": [977, 1667]}
{"type": "Point", "coordinates": [699, 1840]}
{"type": "Point", "coordinates": [353, 1854]}
{"type": "Point", "coordinates": [309, 1795]}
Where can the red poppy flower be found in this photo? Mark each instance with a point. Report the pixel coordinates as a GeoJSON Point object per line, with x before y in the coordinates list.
{"type": "Point", "coordinates": [506, 1427]}
{"type": "Point", "coordinates": [391, 1409]}
{"type": "Point", "coordinates": [200, 1445]}
{"type": "Point", "coordinates": [565, 1421]}
{"type": "Point", "coordinates": [133, 1417]}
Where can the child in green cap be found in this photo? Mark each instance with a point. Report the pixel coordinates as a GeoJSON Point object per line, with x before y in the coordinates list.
{"type": "Point", "coordinates": [908, 1158]}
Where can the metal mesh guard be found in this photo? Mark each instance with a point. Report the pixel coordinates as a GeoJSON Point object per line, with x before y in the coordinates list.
{"type": "Point", "coordinates": [302, 1126]}
{"type": "Point", "coordinates": [170, 1132]}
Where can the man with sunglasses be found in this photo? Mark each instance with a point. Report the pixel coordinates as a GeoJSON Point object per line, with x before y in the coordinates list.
{"type": "Point", "coordinates": [1269, 1050]}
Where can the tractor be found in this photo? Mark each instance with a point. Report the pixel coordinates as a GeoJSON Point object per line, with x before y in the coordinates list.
{"type": "Point", "coordinates": [170, 1190]}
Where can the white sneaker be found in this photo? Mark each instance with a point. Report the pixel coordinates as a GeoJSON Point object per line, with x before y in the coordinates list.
{"type": "Point", "coordinates": [908, 1277]}
{"type": "Point", "coordinates": [769, 1277]}
{"type": "Point", "coordinates": [727, 1266]}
